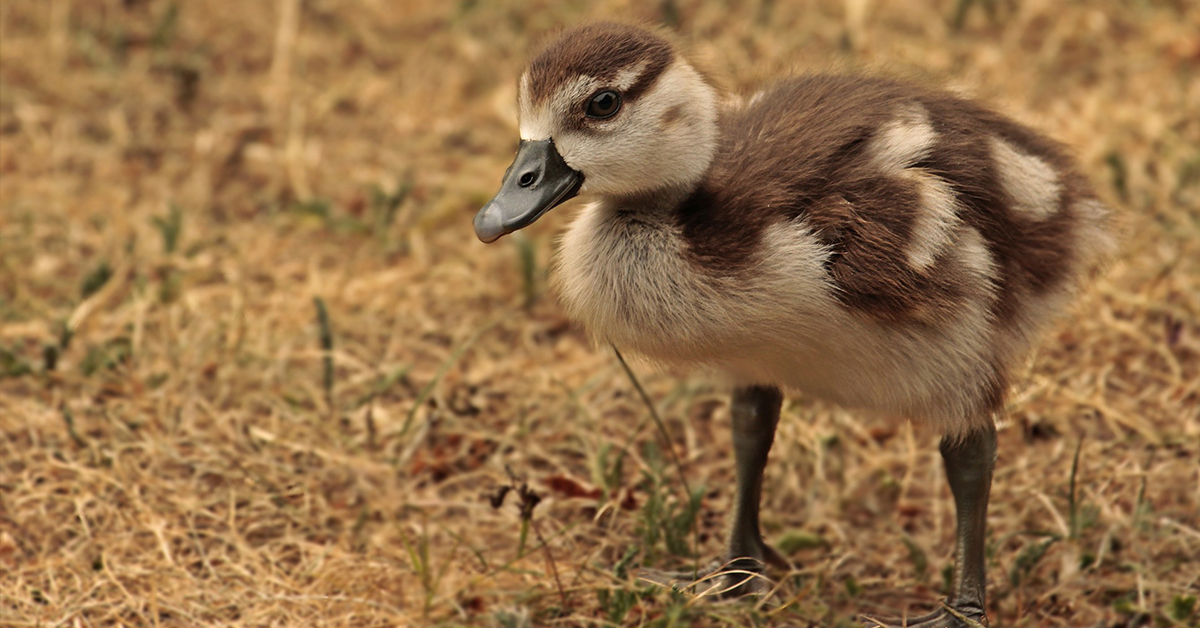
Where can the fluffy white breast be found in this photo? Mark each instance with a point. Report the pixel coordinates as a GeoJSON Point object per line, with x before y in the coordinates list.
{"type": "Point", "coordinates": [627, 278]}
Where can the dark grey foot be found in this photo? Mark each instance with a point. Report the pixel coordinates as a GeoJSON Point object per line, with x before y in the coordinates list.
{"type": "Point", "coordinates": [969, 463]}
{"type": "Point", "coordinates": [725, 579]}
{"type": "Point", "coordinates": [755, 412]}
{"type": "Point", "coordinates": [944, 617]}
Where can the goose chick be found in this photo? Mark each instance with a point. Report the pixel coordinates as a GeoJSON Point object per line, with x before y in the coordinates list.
{"type": "Point", "coordinates": [866, 241]}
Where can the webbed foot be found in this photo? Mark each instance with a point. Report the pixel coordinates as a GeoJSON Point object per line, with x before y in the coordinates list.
{"type": "Point", "coordinates": [945, 617]}
{"type": "Point", "coordinates": [725, 579]}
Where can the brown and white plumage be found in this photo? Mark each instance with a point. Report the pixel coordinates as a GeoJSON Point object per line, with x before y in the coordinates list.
{"type": "Point", "coordinates": [874, 243]}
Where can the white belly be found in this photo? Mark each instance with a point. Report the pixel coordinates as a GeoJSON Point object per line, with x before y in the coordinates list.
{"type": "Point", "coordinates": [629, 282]}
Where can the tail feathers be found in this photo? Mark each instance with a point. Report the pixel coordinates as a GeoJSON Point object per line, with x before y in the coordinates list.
{"type": "Point", "coordinates": [1095, 238]}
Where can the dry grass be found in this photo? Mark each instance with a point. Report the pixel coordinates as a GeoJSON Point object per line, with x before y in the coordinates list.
{"type": "Point", "coordinates": [172, 454]}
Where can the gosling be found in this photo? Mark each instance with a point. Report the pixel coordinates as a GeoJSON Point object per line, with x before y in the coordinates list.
{"type": "Point", "coordinates": [877, 244]}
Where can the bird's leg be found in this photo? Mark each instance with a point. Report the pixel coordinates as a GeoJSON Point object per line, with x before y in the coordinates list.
{"type": "Point", "coordinates": [969, 465]}
{"type": "Point", "coordinates": [969, 462]}
{"type": "Point", "coordinates": [755, 413]}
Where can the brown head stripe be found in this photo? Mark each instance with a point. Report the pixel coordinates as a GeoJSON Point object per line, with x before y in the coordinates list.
{"type": "Point", "coordinates": [599, 50]}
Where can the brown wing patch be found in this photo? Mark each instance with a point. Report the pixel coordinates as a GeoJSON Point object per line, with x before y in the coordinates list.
{"type": "Point", "coordinates": [777, 158]}
{"type": "Point", "coordinates": [800, 154]}
{"type": "Point", "coordinates": [869, 233]}
{"type": "Point", "coordinates": [1033, 252]}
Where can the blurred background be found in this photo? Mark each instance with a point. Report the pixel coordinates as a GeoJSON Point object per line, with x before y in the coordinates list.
{"type": "Point", "coordinates": [255, 368]}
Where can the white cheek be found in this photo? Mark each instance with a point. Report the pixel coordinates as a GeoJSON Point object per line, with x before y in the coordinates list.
{"type": "Point", "coordinates": [583, 153]}
{"type": "Point", "coordinates": [635, 153]}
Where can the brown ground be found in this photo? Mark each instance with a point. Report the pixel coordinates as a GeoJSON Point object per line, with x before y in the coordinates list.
{"type": "Point", "coordinates": [172, 454]}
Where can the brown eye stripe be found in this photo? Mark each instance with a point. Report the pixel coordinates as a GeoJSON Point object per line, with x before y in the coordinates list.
{"type": "Point", "coordinates": [600, 51]}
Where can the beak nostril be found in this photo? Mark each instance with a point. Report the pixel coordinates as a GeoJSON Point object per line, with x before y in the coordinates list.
{"type": "Point", "coordinates": [527, 179]}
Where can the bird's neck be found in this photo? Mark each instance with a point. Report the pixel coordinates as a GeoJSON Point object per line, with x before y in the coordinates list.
{"type": "Point", "coordinates": [659, 203]}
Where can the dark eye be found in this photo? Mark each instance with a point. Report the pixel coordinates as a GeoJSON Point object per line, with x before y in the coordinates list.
{"type": "Point", "coordinates": [603, 104]}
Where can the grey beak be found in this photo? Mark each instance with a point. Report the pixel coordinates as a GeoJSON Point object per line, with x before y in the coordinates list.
{"type": "Point", "coordinates": [537, 181]}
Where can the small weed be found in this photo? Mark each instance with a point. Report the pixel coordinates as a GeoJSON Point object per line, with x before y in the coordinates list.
{"type": "Point", "coordinates": [323, 211]}
{"type": "Point", "coordinates": [1181, 608]}
{"type": "Point", "coordinates": [853, 588]}
{"type": "Point", "coordinates": [95, 279]}
{"type": "Point", "coordinates": [479, 555]}
{"type": "Point", "coordinates": [621, 569]}
{"type": "Point", "coordinates": [169, 227]}
{"type": "Point", "coordinates": [164, 31]}
{"type": "Point", "coordinates": [610, 469]}
{"type": "Point", "coordinates": [325, 332]}
{"type": "Point", "coordinates": [317, 207]}
{"type": "Point", "coordinates": [171, 285]}
{"type": "Point", "coordinates": [1189, 172]}
{"type": "Point", "coordinates": [107, 356]}
{"type": "Point", "coordinates": [1028, 558]}
{"type": "Point", "coordinates": [529, 500]}
{"type": "Point", "coordinates": [187, 84]}
{"type": "Point", "coordinates": [669, 10]}
{"type": "Point", "coordinates": [1072, 502]}
{"type": "Point", "coordinates": [677, 613]}
{"type": "Point", "coordinates": [1118, 172]}
{"type": "Point", "coordinates": [65, 334]}
{"type": "Point", "coordinates": [1143, 509]}
{"type": "Point", "coordinates": [465, 7]}
{"type": "Point", "coordinates": [682, 522]}
{"type": "Point", "coordinates": [963, 7]}
{"type": "Point", "coordinates": [1126, 605]}
{"type": "Point", "coordinates": [675, 543]}
{"type": "Point", "coordinates": [794, 541]}
{"type": "Point", "coordinates": [651, 516]}
{"type": "Point", "coordinates": [616, 603]}
{"type": "Point", "coordinates": [69, 420]}
{"type": "Point", "coordinates": [12, 365]}
{"type": "Point", "coordinates": [385, 205]}
{"type": "Point", "coordinates": [527, 253]}
{"type": "Point", "coordinates": [665, 519]}
{"type": "Point", "coordinates": [418, 555]}
{"type": "Point", "coordinates": [49, 357]}
{"type": "Point", "coordinates": [382, 385]}
{"type": "Point", "coordinates": [509, 618]}
{"type": "Point", "coordinates": [917, 556]}
{"type": "Point", "coordinates": [765, 10]}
